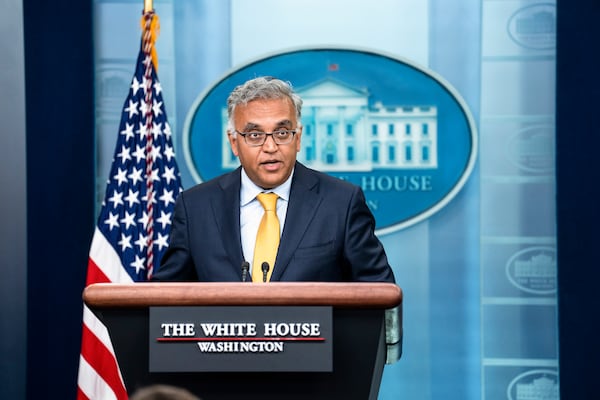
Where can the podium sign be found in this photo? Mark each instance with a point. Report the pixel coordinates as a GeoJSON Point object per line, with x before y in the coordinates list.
{"type": "Point", "coordinates": [240, 339]}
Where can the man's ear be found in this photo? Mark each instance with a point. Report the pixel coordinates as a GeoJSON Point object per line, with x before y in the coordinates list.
{"type": "Point", "coordinates": [233, 143]}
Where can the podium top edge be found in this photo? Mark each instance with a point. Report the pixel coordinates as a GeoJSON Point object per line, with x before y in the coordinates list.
{"type": "Point", "coordinates": [336, 294]}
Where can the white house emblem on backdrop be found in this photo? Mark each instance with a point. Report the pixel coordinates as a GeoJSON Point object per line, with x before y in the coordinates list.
{"type": "Point", "coordinates": [395, 129]}
{"type": "Point", "coordinates": [534, 26]}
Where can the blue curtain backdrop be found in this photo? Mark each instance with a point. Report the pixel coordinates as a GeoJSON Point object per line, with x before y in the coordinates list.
{"type": "Point", "coordinates": [60, 169]}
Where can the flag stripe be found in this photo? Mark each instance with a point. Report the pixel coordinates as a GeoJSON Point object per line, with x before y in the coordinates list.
{"type": "Point", "coordinates": [105, 363]}
{"type": "Point", "coordinates": [91, 386]}
{"type": "Point", "coordinates": [105, 262]}
{"type": "Point", "coordinates": [95, 274]}
{"type": "Point", "coordinates": [80, 394]}
{"type": "Point", "coordinates": [103, 380]}
{"type": "Point", "coordinates": [97, 327]}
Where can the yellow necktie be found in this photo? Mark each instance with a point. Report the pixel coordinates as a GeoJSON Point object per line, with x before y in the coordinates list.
{"type": "Point", "coordinates": [267, 238]}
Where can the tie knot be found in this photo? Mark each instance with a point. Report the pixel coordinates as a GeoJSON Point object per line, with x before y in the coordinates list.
{"type": "Point", "coordinates": [268, 201]}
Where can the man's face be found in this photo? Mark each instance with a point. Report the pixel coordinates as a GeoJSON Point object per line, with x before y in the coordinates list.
{"type": "Point", "coordinates": [268, 165]}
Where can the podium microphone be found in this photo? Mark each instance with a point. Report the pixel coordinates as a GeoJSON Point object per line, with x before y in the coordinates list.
{"type": "Point", "coordinates": [245, 268]}
{"type": "Point", "coordinates": [265, 269]}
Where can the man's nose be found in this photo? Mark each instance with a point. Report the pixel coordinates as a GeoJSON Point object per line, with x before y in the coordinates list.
{"type": "Point", "coordinates": [269, 144]}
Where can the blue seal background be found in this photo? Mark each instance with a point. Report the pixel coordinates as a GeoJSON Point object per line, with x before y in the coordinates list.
{"type": "Point", "coordinates": [389, 80]}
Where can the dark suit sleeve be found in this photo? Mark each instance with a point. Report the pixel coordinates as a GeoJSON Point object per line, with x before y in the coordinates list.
{"type": "Point", "coordinates": [363, 250]}
{"type": "Point", "coordinates": [176, 264]}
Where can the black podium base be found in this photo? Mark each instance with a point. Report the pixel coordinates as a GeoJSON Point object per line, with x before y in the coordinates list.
{"type": "Point", "coordinates": [359, 353]}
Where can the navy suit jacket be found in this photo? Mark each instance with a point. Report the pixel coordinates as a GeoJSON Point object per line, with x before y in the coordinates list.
{"type": "Point", "coordinates": [328, 234]}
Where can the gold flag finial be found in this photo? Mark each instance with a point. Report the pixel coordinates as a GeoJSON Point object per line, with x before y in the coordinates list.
{"type": "Point", "coordinates": [148, 6]}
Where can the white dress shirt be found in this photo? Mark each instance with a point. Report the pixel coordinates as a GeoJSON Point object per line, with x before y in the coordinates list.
{"type": "Point", "coordinates": [251, 211]}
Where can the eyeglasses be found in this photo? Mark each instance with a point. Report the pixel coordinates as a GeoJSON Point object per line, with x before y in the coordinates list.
{"type": "Point", "coordinates": [256, 139]}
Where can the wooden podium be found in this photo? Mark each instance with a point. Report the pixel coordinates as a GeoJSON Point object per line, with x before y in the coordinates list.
{"type": "Point", "coordinates": [366, 321]}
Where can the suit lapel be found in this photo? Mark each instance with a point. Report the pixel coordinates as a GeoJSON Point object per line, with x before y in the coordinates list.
{"type": "Point", "coordinates": [226, 209]}
{"type": "Point", "coordinates": [304, 200]}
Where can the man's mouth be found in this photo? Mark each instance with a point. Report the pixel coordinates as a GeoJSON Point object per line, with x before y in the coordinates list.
{"type": "Point", "coordinates": [270, 164]}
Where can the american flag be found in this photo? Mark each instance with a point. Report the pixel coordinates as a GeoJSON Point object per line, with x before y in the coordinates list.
{"type": "Point", "coordinates": [132, 231]}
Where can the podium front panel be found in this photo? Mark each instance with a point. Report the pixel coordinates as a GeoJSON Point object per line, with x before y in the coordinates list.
{"type": "Point", "coordinates": [359, 352]}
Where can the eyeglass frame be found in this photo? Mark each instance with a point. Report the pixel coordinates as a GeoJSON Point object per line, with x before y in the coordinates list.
{"type": "Point", "coordinates": [265, 135]}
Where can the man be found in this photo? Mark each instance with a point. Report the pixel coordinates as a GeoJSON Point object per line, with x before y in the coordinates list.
{"type": "Point", "coordinates": [327, 230]}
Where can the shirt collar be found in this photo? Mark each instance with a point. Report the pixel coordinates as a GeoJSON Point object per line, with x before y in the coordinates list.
{"type": "Point", "coordinates": [249, 189]}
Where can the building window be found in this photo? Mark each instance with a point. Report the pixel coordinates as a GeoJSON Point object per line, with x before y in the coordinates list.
{"type": "Point", "coordinates": [425, 129]}
{"type": "Point", "coordinates": [310, 153]}
{"type": "Point", "coordinates": [330, 153]}
{"type": "Point", "coordinates": [375, 153]}
{"type": "Point", "coordinates": [349, 130]}
{"type": "Point", "coordinates": [391, 129]}
{"type": "Point", "coordinates": [374, 129]}
{"type": "Point", "coordinates": [350, 153]}
{"type": "Point", "coordinates": [407, 129]}
{"type": "Point", "coordinates": [392, 153]}
{"type": "Point", "coordinates": [329, 129]}
{"type": "Point", "coordinates": [425, 153]}
{"type": "Point", "coordinates": [408, 152]}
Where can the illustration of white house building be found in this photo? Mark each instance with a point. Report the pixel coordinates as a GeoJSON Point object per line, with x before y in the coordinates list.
{"type": "Point", "coordinates": [541, 388]}
{"type": "Point", "coordinates": [343, 131]}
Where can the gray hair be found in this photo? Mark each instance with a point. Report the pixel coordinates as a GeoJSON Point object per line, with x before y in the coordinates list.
{"type": "Point", "coordinates": [261, 88]}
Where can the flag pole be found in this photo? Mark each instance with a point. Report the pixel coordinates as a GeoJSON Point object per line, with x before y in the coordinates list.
{"type": "Point", "coordinates": [148, 6]}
